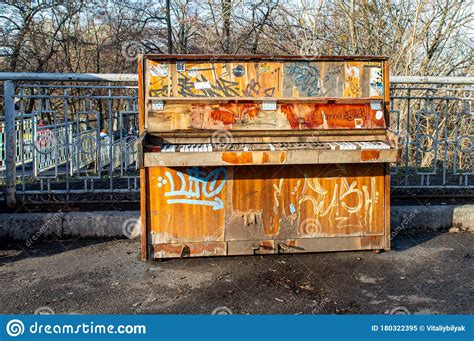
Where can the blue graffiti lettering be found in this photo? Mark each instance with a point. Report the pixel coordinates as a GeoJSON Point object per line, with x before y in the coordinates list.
{"type": "Point", "coordinates": [198, 183]}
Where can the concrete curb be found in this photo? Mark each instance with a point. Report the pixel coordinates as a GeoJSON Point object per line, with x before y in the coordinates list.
{"type": "Point", "coordinates": [125, 224]}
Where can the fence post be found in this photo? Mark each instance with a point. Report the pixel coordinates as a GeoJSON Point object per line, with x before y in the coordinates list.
{"type": "Point", "coordinates": [10, 142]}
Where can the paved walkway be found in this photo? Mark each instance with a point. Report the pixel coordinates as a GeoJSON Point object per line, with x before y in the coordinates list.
{"type": "Point", "coordinates": [429, 273]}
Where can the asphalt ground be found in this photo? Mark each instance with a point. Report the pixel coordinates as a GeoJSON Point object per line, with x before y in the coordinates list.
{"type": "Point", "coordinates": [425, 273]}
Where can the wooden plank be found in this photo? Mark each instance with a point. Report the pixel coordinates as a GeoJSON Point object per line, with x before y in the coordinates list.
{"type": "Point", "coordinates": [186, 205]}
{"type": "Point", "coordinates": [387, 227]}
{"type": "Point", "coordinates": [386, 92]}
{"type": "Point", "coordinates": [309, 201]}
{"type": "Point", "coordinates": [143, 196]}
{"type": "Point", "coordinates": [183, 250]}
{"type": "Point", "coordinates": [240, 248]}
{"type": "Point", "coordinates": [144, 215]}
{"type": "Point", "coordinates": [180, 139]}
{"type": "Point", "coordinates": [251, 116]}
{"type": "Point", "coordinates": [273, 133]}
{"type": "Point", "coordinates": [258, 57]}
{"type": "Point", "coordinates": [321, 244]}
{"type": "Point", "coordinates": [261, 99]}
{"type": "Point", "coordinates": [288, 157]}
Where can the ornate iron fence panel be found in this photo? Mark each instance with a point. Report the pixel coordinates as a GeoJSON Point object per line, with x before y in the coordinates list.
{"type": "Point", "coordinates": [76, 142]}
{"type": "Point", "coordinates": [436, 126]}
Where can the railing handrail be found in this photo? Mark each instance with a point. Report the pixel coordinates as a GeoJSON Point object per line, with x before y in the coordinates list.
{"type": "Point", "coordinates": [130, 77]}
{"type": "Point", "coordinates": [73, 77]}
{"type": "Point", "coordinates": [431, 80]}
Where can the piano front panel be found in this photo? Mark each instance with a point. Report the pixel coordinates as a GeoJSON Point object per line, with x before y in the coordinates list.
{"type": "Point", "coordinates": [214, 207]}
{"type": "Point", "coordinates": [305, 202]}
{"type": "Point", "coordinates": [251, 116]}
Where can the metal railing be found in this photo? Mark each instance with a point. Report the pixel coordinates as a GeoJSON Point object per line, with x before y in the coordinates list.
{"type": "Point", "coordinates": [71, 137]}
{"type": "Point", "coordinates": [436, 125]}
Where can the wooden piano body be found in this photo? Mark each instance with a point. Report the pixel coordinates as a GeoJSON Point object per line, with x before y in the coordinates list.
{"type": "Point", "coordinates": [257, 154]}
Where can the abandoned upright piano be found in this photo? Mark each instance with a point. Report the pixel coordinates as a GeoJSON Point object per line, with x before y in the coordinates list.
{"type": "Point", "coordinates": [263, 154]}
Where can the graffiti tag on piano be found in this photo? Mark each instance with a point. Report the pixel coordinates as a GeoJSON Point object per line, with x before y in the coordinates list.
{"type": "Point", "coordinates": [196, 187]}
{"type": "Point", "coordinates": [305, 77]}
{"type": "Point", "coordinates": [345, 204]}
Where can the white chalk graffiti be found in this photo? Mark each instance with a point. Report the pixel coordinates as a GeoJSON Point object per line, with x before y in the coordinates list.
{"type": "Point", "coordinates": [197, 183]}
{"type": "Point", "coordinates": [363, 200]}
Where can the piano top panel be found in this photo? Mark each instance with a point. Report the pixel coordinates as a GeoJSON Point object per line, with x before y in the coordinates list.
{"type": "Point", "coordinates": [264, 79]}
{"type": "Point", "coordinates": [263, 92]}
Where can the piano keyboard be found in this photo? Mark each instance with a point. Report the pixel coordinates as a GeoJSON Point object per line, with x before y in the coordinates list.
{"type": "Point", "coordinates": [205, 148]}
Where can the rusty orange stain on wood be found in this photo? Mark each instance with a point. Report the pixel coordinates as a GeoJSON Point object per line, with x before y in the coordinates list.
{"type": "Point", "coordinates": [237, 158]}
{"type": "Point", "coordinates": [225, 116]}
{"type": "Point", "coordinates": [336, 115]}
{"type": "Point", "coordinates": [250, 110]}
{"type": "Point", "coordinates": [369, 155]}
{"type": "Point", "coordinates": [313, 120]}
{"type": "Point", "coordinates": [265, 157]}
{"type": "Point", "coordinates": [291, 116]}
{"type": "Point", "coordinates": [282, 157]}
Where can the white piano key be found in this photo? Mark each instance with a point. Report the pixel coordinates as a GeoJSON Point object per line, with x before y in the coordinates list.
{"type": "Point", "coordinates": [271, 146]}
{"type": "Point", "coordinates": [209, 147]}
{"type": "Point", "coordinates": [246, 148]}
{"type": "Point", "coordinates": [347, 145]}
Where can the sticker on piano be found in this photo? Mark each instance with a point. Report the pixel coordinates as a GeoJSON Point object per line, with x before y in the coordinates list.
{"type": "Point", "coordinates": [376, 105]}
{"type": "Point", "coordinates": [265, 67]}
{"type": "Point", "coordinates": [238, 71]}
{"type": "Point", "coordinates": [192, 72]}
{"type": "Point", "coordinates": [379, 115]}
{"type": "Point", "coordinates": [180, 66]}
{"type": "Point", "coordinates": [159, 70]}
{"type": "Point", "coordinates": [376, 86]}
{"type": "Point", "coordinates": [157, 105]}
{"type": "Point", "coordinates": [269, 105]}
{"type": "Point", "coordinates": [202, 85]}
{"type": "Point", "coordinates": [358, 122]}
